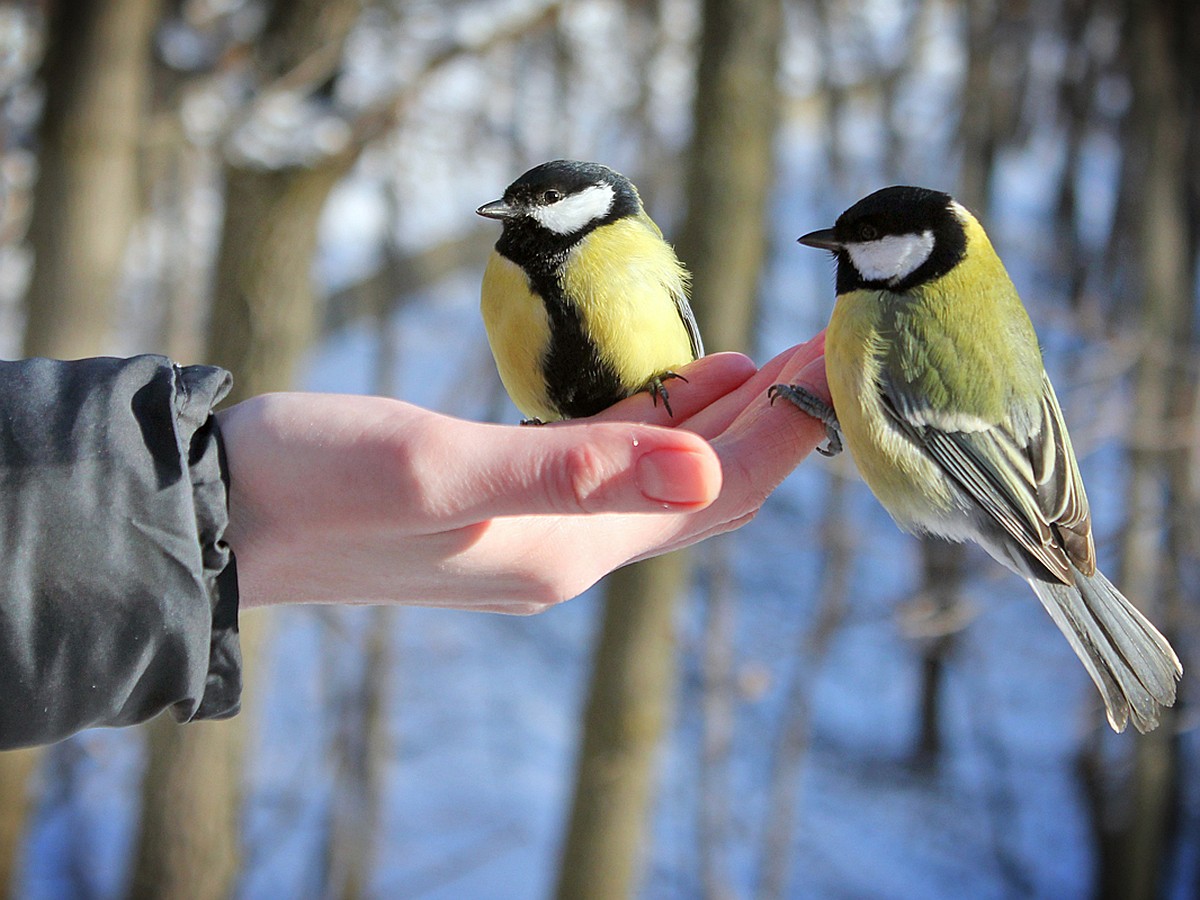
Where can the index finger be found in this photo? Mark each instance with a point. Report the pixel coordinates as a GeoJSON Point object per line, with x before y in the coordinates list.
{"type": "Point", "coordinates": [700, 384]}
{"type": "Point", "coordinates": [807, 359]}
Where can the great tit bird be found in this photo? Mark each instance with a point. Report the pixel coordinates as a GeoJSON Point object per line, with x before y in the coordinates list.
{"type": "Point", "coordinates": [584, 302]}
{"type": "Point", "coordinates": [941, 396]}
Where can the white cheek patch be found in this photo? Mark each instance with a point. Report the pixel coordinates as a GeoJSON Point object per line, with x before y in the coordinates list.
{"type": "Point", "coordinates": [572, 213]}
{"type": "Point", "coordinates": [892, 258]}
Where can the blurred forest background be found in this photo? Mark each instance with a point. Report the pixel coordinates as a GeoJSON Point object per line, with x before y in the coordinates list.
{"type": "Point", "coordinates": [814, 706]}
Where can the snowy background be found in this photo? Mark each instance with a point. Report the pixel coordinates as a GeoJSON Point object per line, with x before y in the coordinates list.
{"type": "Point", "coordinates": [483, 710]}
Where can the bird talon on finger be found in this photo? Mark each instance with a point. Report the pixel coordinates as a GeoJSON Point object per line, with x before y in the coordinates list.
{"type": "Point", "coordinates": [834, 447]}
{"type": "Point", "coordinates": [808, 402]}
{"type": "Point", "coordinates": [658, 389]}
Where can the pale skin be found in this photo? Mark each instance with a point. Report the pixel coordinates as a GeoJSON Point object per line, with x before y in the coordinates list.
{"type": "Point", "coordinates": [348, 499]}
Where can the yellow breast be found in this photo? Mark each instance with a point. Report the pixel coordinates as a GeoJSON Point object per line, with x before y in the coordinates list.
{"type": "Point", "coordinates": [518, 331]}
{"type": "Point", "coordinates": [624, 279]}
{"type": "Point", "coordinates": [891, 466]}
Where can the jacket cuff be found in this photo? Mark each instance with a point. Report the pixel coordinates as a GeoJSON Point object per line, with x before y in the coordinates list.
{"type": "Point", "coordinates": [118, 595]}
{"type": "Point", "coordinates": [198, 390]}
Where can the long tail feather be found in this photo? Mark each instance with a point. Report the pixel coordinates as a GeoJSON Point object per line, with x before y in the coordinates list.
{"type": "Point", "coordinates": [1131, 663]}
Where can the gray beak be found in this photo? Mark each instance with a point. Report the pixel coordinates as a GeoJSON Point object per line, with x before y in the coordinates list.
{"type": "Point", "coordinates": [497, 209]}
{"type": "Point", "coordinates": [822, 240]}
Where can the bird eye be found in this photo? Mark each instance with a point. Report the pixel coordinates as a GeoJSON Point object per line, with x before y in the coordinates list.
{"type": "Point", "coordinates": [867, 232]}
{"type": "Point", "coordinates": [551, 196]}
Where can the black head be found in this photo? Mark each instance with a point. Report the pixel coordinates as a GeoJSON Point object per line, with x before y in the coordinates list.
{"type": "Point", "coordinates": [895, 239]}
{"type": "Point", "coordinates": [552, 206]}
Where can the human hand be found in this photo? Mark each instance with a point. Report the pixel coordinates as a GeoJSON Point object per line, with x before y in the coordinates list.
{"type": "Point", "coordinates": [370, 500]}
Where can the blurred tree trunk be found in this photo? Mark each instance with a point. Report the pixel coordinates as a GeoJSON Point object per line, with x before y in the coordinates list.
{"type": "Point", "coordinates": [263, 317]}
{"type": "Point", "coordinates": [264, 309]}
{"type": "Point", "coordinates": [1136, 834]}
{"type": "Point", "coordinates": [95, 72]}
{"type": "Point", "coordinates": [832, 90]}
{"type": "Point", "coordinates": [359, 751]}
{"type": "Point", "coordinates": [723, 242]}
{"type": "Point", "coordinates": [361, 743]}
{"type": "Point", "coordinates": [188, 841]}
{"type": "Point", "coordinates": [838, 536]}
{"type": "Point", "coordinates": [1075, 95]}
{"type": "Point", "coordinates": [718, 711]}
{"type": "Point", "coordinates": [936, 614]}
{"type": "Point", "coordinates": [627, 709]}
{"type": "Point", "coordinates": [936, 618]}
{"type": "Point", "coordinates": [16, 770]}
{"type": "Point", "coordinates": [729, 176]}
{"type": "Point", "coordinates": [174, 173]}
{"type": "Point", "coordinates": [262, 320]}
{"type": "Point", "coordinates": [977, 108]}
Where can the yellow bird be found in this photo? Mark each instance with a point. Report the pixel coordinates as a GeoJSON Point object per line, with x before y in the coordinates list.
{"type": "Point", "coordinates": [584, 302]}
{"type": "Point", "coordinates": [940, 393]}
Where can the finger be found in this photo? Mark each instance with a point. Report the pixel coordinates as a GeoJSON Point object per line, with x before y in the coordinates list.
{"type": "Point", "coordinates": [717, 417]}
{"type": "Point", "coordinates": [759, 445]}
{"type": "Point", "coordinates": [707, 380]}
{"type": "Point", "coordinates": [810, 376]}
{"type": "Point", "coordinates": [686, 536]}
{"type": "Point", "coordinates": [762, 429]}
{"type": "Point", "coordinates": [757, 452]}
{"type": "Point", "coordinates": [572, 468]}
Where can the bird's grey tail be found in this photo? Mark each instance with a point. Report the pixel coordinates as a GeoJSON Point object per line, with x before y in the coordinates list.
{"type": "Point", "coordinates": [1132, 664]}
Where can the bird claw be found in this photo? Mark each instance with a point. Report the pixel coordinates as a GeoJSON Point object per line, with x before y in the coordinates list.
{"type": "Point", "coordinates": [808, 402]}
{"type": "Point", "coordinates": [657, 389]}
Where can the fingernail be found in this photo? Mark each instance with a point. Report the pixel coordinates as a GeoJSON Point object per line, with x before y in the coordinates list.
{"type": "Point", "coordinates": [673, 476]}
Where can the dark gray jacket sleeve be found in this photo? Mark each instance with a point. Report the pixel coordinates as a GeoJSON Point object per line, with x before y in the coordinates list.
{"type": "Point", "coordinates": [118, 596]}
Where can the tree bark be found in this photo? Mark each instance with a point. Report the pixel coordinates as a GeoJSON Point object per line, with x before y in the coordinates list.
{"type": "Point", "coordinates": [627, 709]}
{"type": "Point", "coordinates": [731, 166]}
{"type": "Point", "coordinates": [1135, 842]}
{"type": "Point", "coordinates": [16, 770]}
{"type": "Point", "coordinates": [264, 308]}
{"type": "Point", "coordinates": [262, 320]}
{"type": "Point", "coordinates": [263, 317]}
{"type": "Point", "coordinates": [359, 754]}
{"type": "Point", "coordinates": [96, 72]}
{"type": "Point", "coordinates": [776, 876]}
{"type": "Point", "coordinates": [188, 845]}
{"type": "Point", "coordinates": [96, 76]}
{"type": "Point", "coordinates": [723, 241]}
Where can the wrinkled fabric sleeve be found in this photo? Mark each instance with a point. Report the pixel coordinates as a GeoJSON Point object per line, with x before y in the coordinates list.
{"type": "Point", "coordinates": [118, 595]}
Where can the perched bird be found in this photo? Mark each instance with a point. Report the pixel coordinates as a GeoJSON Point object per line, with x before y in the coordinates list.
{"type": "Point", "coordinates": [941, 396]}
{"type": "Point", "coordinates": [584, 302]}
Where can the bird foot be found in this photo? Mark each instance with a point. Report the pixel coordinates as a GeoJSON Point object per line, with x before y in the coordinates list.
{"type": "Point", "coordinates": [657, 389]}
{"type": "Point", "coordinates": [806, 401]}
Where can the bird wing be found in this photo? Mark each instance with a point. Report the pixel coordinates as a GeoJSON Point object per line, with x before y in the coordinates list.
{"type": "Point", "coordinates": [689, 322]}
{"type": "Point", "coordinates": [1060, 486]}
{"type": "Point", "coordinates": [678, 289]}
{"type": "Point", "coordinates": [1028, 484]}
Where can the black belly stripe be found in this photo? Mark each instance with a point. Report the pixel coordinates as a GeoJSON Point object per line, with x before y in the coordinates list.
{"type": "Point", "coordinates": [578, 382]}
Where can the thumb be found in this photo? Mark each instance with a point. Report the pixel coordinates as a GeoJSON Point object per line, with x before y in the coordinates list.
{"type": "Point", "coordinates": [577, 467]}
